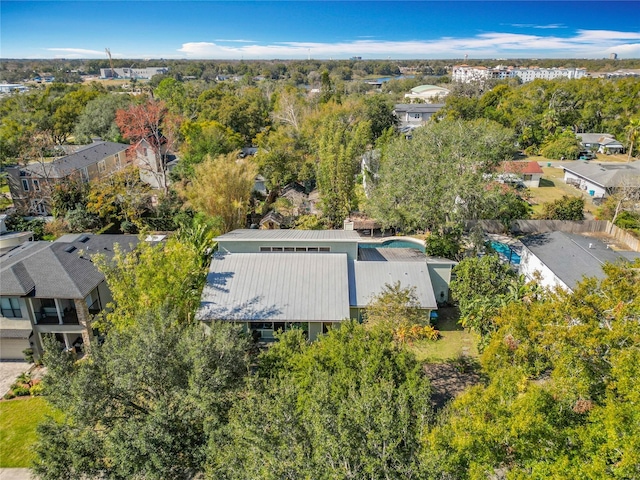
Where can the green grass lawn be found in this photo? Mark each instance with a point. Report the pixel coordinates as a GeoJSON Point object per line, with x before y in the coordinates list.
{"type": "Point", "coordinates": [18, 420]}
{"type": "Point", "coordinates": [453, 342]}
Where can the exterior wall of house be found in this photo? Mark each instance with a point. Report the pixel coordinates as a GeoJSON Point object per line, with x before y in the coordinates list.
{"type": "Point", "coordinates": [440, 279]}
{"type": "Point", "coordinates": [239, 246]}
{"type": "Point", "coordinates": [532, 180]}
{"type": "Point", "coordinates": [31, 194]}
{"type": "Point", "coordinates": [533, 269]}
{"type": "Point", "coordinates": [15, 329]}
{"type": "Point", "coordinates": [584, 184]}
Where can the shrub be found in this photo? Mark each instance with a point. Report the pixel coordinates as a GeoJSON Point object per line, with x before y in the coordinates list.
{"type": "Point", "coordinates": [36, 390]}
{"type": "Point", "coordinates": [20, 391]}
{"type": "Point", "coordinates": [9, 395]}
{"type": "Point", "coordinates": [28, 355]}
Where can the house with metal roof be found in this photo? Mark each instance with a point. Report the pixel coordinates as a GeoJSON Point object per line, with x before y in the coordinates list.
{"type": "Point", "coordinates": [31, 185]}
{"type": "Point", "coordinates": [601, 179]}
{"type": "Point", "coordinates": [560, 259]}
{"type": "Point", "coordinates": [270, 280]}
{"type": "Point", "coordinates": [53, 288]}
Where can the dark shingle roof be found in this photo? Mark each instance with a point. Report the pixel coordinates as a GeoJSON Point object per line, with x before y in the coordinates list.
{"type": "Point", "coordinates": [62, 269]}
{"type": "Point", "coordinates": [90, 155]}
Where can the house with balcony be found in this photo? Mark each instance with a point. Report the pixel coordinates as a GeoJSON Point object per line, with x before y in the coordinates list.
{"type": "Point", "coordinates": [270, 280]}
{"type": "Point", "coordinates": [53, 288]}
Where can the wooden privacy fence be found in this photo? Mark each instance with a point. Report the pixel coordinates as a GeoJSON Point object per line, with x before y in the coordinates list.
{"type": "Point", "coordinates": [527, 227]}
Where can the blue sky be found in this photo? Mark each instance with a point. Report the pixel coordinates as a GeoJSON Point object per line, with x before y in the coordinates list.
{"type": "Point", "coordinates": [321, 30]}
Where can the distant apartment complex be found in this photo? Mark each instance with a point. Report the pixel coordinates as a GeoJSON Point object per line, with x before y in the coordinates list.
{"type": "Point", "coordinates": [467, 74]}
{"type": "Point", "coordinates": [141, 73]}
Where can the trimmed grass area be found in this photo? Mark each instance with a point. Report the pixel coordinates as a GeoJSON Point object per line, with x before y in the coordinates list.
{"type": "Point", "coordinates": [18, 420]}
{"type": "Point", "coordinates": [454, 341]}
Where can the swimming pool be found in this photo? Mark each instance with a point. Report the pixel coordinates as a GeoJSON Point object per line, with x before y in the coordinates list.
{"type": "Point", "coordinates": [507, 251]}
{"type": "Point", "coordinates": [394, 244]}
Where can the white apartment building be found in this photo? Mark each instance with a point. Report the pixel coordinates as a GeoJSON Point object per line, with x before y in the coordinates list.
{"type": "Point", "coordinates": [467, 74]}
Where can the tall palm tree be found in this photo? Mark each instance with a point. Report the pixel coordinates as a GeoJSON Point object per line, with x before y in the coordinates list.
{"type": "Point", "coordinates": [633, 134]}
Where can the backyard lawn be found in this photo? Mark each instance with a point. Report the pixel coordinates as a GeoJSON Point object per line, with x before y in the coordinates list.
{"type": "Point", "coordinates": [454, 341]}
{"type": "Point", "coordinates": [18, 420]}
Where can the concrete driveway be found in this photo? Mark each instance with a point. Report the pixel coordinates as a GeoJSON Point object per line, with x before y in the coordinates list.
{"type": "Point", "coordinates": [15, 474]}
{"type": "Point", "coordinates": [8, 373]}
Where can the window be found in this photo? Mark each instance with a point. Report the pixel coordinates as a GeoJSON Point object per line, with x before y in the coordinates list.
{"type": "Point", "coordinates": [265, 249]}
{"type": "Point", "coordinates": [10, 307]}
{"type": "Point", "coordinates": [36, 185]}
{"type": "Point", "coordinates": [37, 207]}
{"type": "Point", "coordinates": [25, 184]}
{"type": "Point", "coordinates": [101, 166]}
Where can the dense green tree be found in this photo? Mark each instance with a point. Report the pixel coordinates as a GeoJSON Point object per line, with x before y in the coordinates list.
{"type": "Point", "coordinates": [146, 402]}
{"type": "Point", "coordinates": [98, 119]}
{"type": "Point", "coordinates": [149, 277]}
{"type": "Point", "coordinates": [565, 208]}
{"type": "Point", "coordinates": [350, 405]}
{"type": "Point", "coordinates": [436, 178]}
{"type": "Point", "coordinates": [339, 147]}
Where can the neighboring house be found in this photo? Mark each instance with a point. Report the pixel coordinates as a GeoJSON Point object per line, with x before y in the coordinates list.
{"type": "Point", "coordinates": [529, 173]}
{"type": "Point", "coordinates": [154, 169]}
{"type": "Point", "coordinates": [269, 280]}
{"type": "Point", "coordinates": [259, 185]}
{"type": "Point", "coordinates": [360, 223]}
{"type": "Point", "coordinates": [31, 185]}
{"type": "Point", "coordinates": [53, 288]}
{"type": "Point", "coordinates": [562, 260]}
{"type": "Point", "coordinates": [601, 179]}
{"type": "Point", "coordinates": [427, 93]}
{"type": "Point", "coordinates": [295, 193]}
{"type": "Point", "coordinates": [12, 87]}
{"type": "Point", "coordinates": [600, 142]}
{"type": "Point", "coordinates": [415, 114]}
{"type": "Point", "coordinates": [272, 221]}
{"type": "Point", "coordinates": [10, 240]}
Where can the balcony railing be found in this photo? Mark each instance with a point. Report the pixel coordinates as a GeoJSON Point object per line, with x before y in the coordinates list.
{"type": "Point", "coordinates": [69, 317]}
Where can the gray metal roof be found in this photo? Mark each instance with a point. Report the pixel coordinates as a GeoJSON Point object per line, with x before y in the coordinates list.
{"type": "Point", "coordinates": [604, 174]}
{"type": "Point", "coordinates": [391, 255]}
{"type": "Point", "coordinates": [368, 279]}
{"type": "Point", "coordinates": [64, 166]}
{"type": "Point", "coordinates": [62, 269]}
{"type": "Point", "coordinates": [571, 257]}
{"type": "Point", "coordinates": [276, 287]}
{"type": "Point", "coordinates": [250, 235]}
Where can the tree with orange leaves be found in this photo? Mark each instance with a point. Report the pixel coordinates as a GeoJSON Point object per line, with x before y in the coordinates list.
{"type": "Point", "coordinates": [150, 126]}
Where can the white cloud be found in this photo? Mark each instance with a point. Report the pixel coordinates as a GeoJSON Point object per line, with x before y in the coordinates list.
{"type": "Point", "coordinates": [76, 52]}
{"type": "Point", "coordinates": [584, 44]}
{"type": "Point", "coordinates": [233, 41]}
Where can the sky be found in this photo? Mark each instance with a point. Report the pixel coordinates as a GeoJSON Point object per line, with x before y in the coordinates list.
{"type": "Point", "coordinates": [319, 29]}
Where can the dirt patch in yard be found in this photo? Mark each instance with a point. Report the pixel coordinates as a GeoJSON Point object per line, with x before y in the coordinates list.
{"type": "Point", "coordinates": [448, 380]}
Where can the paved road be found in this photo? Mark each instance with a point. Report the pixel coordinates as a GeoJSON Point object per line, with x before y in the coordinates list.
{"type": "Point", "coordinates": [15, 474]}
{"type": "Point", "coordinates": [8, 373]}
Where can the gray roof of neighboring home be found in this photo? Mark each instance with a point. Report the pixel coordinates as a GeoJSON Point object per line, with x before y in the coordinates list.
{"type": "Point", "coordinates": [604, 174]}
{"type": "Point", "coordinates": [248, 235]}
{"type": "Point", "coordinates": [569, 257]}
{"type": "Point", "coordinates": [60, 269]}
{"type": "Point", "coordinates": [368, 279]}
{"type": "Point", "coordinates": [601, 138]}
{"type": "Point", "coordinates": [276, 287]}
{"type": "Point", "coordinates": [418, 107]}
{"type": "Point", "coordinates": [64, 166]}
